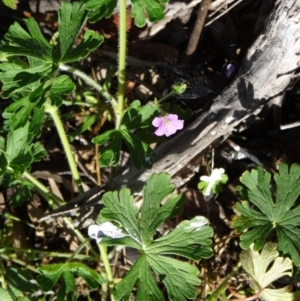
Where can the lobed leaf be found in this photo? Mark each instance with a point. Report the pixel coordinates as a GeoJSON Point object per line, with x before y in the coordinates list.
{"type": "Point", "coordinates": [13, 5]}
{"type": "Point", "coordinates": [91, 41]}
{"type": "Point", "coordinates": [18, 79]}
{"type": "Point", "coordinates": [155, 11]}
{"type": "Point", "coordinates": [137, 117]}
{"type": "Point", "coordinates": [119, 208]}
{"type": "Point", "coordinates": [152, 214]}
{"type": "Point", "coordinates": [99, 9]}
{"type": "Point", "coordinates": [141, 153]}
{"type": "Point", "coordinates": [141, 274]}
{"type": "Point", "coordinates": [67, 287]}
{"type": "Point", "coordinates": [30, 44]}
{"type": "Point", "coordinates": [51, 273]}
{"type": "Point", "coordinates": [180, 278]}
{"type": "Point", "coordinates": [16, 142]}
{"type": "Point", "coordinates": [71, 18]}
{"type": "Point", "coordinates": [266, 267]}
{"type": "Point", "coordinates": [191, 239]}
{"type": "Point", "coordinates": [280, 215]}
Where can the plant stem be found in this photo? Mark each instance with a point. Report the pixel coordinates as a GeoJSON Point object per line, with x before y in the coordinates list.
{"type": "Point", "coordinates": [2, 278]}
{"type": "Point", "coordinates": [109, 275]}
{"type": "Point", "coordinates": [79, 248]}
{"type": "Point", "coordinates": [50, 253]}
{"type": "Point", "coordinates": [166, 96]}
{"type": "Point", "coordinates": [90, 82]}
{"type": "Point", "coordinates": [122, 64]}
{"type": "Point", "coordinates": [48, 195]}
{"type": "Point", "coordinates": [52, 110]}
{"type": "Point", "coordinates": [19, 261]}
{"type": "Point", "coordinates": [223, 286]}
{"type": "Point", "coordinates": [119, 111]}
{"type": "Point", "coordinates": [45, 192]}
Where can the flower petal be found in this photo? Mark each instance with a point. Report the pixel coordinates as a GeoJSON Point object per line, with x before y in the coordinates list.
{"type": "Point", "coordinates": [170, 130]}
{"type": "Point", "coordinates": [167, 125]}
{"type": "Point", "coordinates": [178, 124]}
{"type": "Point", "coordinates": [161, 130]}
{"type": "Point", "coordinates": [172, 117]}
{"type": "Point", "coordinates": [157, 121]}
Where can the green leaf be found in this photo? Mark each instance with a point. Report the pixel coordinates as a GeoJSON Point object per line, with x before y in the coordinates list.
{"type": "Point", "coordinates": [101, 139]}
{"type": "Point", "coordinates": [3, 163]}
{"type": "Point", "coordinates": [91, 41]}
{"type": "Point", "coordinates": [16, 142]}
{"type": "Point", "coordinates": [22, 162]}
{"type": "Point", "coordinates": [2, 143]}
{"type": "Point", "coordinates": [141, 153]}
{"type": "Point", "coordinates": [265, 268]}
{"type": "Point", "coordinates": [140, 273]}
{"type": "Point", "coordinates": [191, 239]}
{"type": "Point", "coordinates": [92, 278]}
{"type": "Point", "coordinates": [180, 278]}
{"type": "Point", "coordinates": [30, 44]}
{"type": "Point", "coordinates": [17, 79]}
{"type": "Point", "coordinates": [137, 117]}
{"type": "Point", "coordinates": [36, 123]}
{"type": "Point", "coordinates": [4, 295]}
{"type": "Point", "coordinates": [67, 288]}
{"type": "Point", "coordinates": [110, 154]}
{"type": "Point", "coordinates": [155, 11]}
{"type": "Point", "coordinates": [268, 214]}
{"type": "Point", "coordinates": [22, 189]}
{"type": "Point", "coordinates": [50, 275]}
{"type": "Point", "coordinates": [153, 214]}
{"type": "Point", "coordinates": [20, 278]}
{"type": "Point", "coordinates": [87, 122]}
{"type": "Point", "coordinates": [119, 207]}
{"type": "Point", "coordinates": [63, 85]}
{"type": "Point", "coordinates": [99, 9]}
{"type": "Point", "coordinates": [37, 151]}
{"type": "Point", "coordinates": [22, 109]}
{"type": "Point", "coordinates": [71, 19]}
{"type": "Point", "coordinates": [13, 5]}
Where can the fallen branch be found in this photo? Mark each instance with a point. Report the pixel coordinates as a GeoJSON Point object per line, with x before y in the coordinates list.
{"type": "Point", "coordinates": [265, 73]}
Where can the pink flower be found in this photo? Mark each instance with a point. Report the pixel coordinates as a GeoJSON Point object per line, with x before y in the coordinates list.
{"type": "Point", "coordinates": [167, 125]}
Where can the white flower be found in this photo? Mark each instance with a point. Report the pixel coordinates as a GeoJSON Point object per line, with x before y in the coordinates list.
{"type": "Point", "coordinates": [106, 229]}
{"type": "Point", "coordinates": [215, 177]}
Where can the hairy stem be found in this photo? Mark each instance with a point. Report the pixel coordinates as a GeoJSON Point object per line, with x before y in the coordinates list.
{"type": "Point", "coordinates": [122, 64]}
{"type": "Point", "coordinates": [90, 82]}
{"type": "Point", "coordinates": [109, 275]}
{"type": "Point", "coordinates": [47, 195]}
{"type": "Point", "coordinates": [18, 261]}
{"type": "Point", "coordinates": [52, 110]}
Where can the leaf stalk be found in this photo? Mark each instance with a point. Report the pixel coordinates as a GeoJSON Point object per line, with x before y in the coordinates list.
{"type": "Point", "coordinates": [119, 110]}
{"type": "Point", "coordinates": [52, 110]}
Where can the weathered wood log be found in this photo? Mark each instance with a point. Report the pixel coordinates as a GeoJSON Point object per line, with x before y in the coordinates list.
{"type": "Point", "coordinates": [266, 72]}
